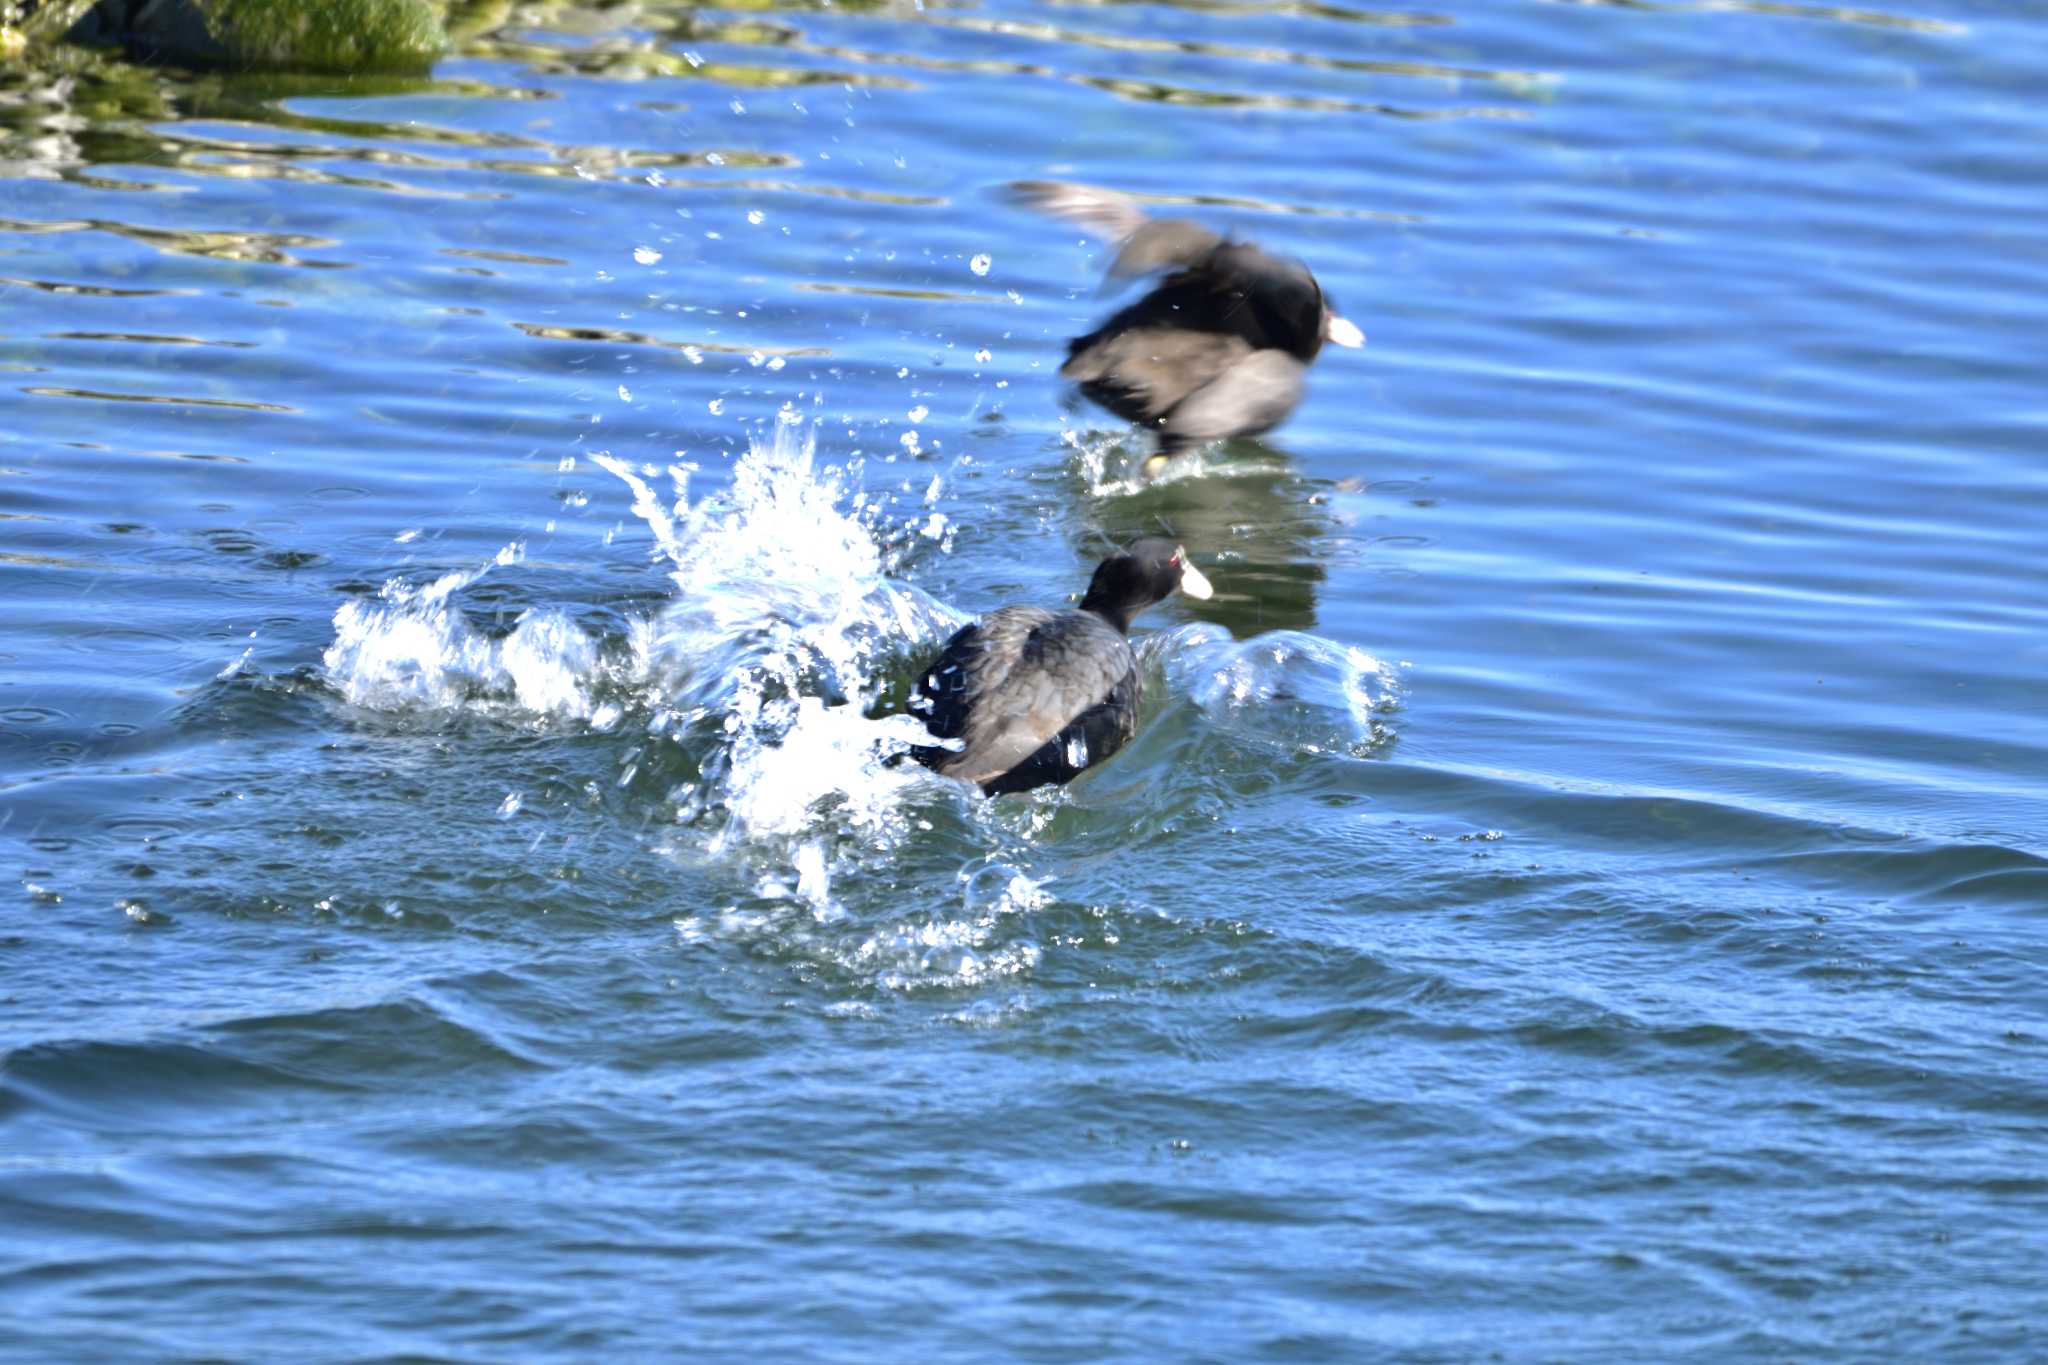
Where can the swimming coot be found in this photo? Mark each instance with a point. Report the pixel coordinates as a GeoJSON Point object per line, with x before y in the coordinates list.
{"type": "Point", "coordinates": [1218, 348]}
{"type": "Point", "coordinates": [1035, 696]}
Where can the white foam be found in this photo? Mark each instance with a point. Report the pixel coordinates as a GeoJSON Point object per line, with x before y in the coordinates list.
{"type": "Point", "coordinates": [971, 950]}
{"type": "Point", "coordinates": [412, 647]}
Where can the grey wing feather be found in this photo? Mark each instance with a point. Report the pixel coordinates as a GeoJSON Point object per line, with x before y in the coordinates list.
{"type": "Point", "coordinates": [1148, 244]}
{"type": "Point", "coordinates": [1105, 213]}
{"type": "Point", "coordinates": [1033, 682]}
{"type": "Point", "coordinates": [1164, 244]}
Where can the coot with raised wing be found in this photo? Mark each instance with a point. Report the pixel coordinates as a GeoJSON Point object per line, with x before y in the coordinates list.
{"type": "Point", "coordinates": [1219, 348]}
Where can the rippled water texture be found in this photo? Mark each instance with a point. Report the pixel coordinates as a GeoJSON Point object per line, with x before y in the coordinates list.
{"type": "Point", "coordinates": [1578, 891]}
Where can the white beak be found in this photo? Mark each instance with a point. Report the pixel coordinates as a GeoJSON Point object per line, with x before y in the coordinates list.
{"type": "Point", "coordinates": [1342, 332]}
{"type": "Point", "coordinates": [1191, 581]}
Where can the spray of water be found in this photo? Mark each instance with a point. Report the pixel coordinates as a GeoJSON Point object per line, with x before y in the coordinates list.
{"type": "Point", "coordinates": [1119, 463]}
{"type": "Point", "coordinates": [1288, 688]}
{"type": "Point", "coordinates": [411, 647]}
{"type": "Point", "coordinates": [753, 681]}
{"type": "Point", "coordinates": [755, 676]}
{"type": "Point", "coordinates": [783, 616]}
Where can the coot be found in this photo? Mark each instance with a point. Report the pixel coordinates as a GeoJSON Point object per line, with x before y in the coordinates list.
{"type": "Point", "coordinates": [1218, 348]}
{"type": "Point", "coordinates": [1035, 696]}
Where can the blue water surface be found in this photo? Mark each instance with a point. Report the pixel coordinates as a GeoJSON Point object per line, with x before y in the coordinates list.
{"type": "Point", "coordinates": [1579, 891]}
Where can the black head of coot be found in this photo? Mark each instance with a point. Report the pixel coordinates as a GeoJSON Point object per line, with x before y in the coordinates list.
{"type": "Point", "coordinates": [1143, 573]}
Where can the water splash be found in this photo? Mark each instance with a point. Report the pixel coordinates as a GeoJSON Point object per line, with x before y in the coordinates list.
{"type": "Point", "coordinates": [1287, 687]}
{"type": "Point", "coordinates": [1114, 463]}
{"type": "Point", "coordinates": [753, 683]}
{"type": "Point", "coordinates": [784, 616]}
{"type": "Point", "coordinates": [411, 647]}
{"type": "Point", "coordinates": [972, 949]}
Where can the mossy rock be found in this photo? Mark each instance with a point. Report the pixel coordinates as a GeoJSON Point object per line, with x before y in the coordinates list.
{"type": "Point", "coordinates": [25, 21]}
{"type": "Point", "coordinates": [299, 35]}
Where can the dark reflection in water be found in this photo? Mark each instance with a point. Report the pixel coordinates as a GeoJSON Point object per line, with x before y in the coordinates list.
{"type": "Point", "coordinates": [268, 248]}
{"type": "Point", "coordinates": [242, 404]}
{"type": "Point", "coordinates": [618, 337]}
{"type": "Point", "coordinates": [1248, 518]}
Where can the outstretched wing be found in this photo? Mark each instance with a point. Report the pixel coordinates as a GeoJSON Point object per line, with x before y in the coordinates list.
{"type": "Point", "coordinates": [1148, 244]}
{"type": "Point", "coordinates": [1104, 213]}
